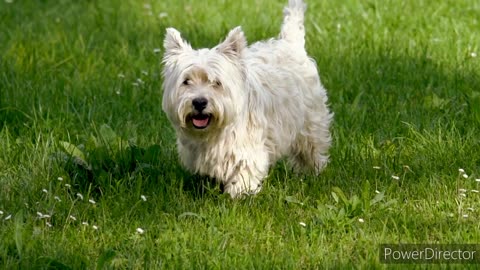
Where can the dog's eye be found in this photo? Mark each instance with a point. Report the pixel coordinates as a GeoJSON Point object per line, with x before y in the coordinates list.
{"type": "Point", "coordinates": [186, 82]}
{"type": "Point", "coordinates": [217, 83]}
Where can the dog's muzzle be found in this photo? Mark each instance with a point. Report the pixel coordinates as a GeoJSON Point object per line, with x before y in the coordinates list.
{"type": "Point", "coordinates": [200, 120]}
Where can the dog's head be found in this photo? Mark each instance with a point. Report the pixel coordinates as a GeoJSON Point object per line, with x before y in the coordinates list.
{"type": "Point", "coordinates": [203, 89]}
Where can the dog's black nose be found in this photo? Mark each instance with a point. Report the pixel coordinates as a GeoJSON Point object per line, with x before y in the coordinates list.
{"type": "Point", "coordinates": [199, 103]}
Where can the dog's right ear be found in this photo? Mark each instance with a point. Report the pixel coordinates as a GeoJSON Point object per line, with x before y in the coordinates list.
{"type": "Point", "coordinates": [173, 43]}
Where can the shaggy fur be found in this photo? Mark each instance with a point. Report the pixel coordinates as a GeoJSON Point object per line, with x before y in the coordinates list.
{"type": "Point", "coordinates": [237, 109]}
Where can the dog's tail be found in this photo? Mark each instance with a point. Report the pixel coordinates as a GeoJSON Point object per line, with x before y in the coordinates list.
{"type": "Point", "coordinates": [293, 29]}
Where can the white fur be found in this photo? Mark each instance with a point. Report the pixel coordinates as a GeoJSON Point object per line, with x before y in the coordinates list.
{"type": "Point", "coordinates": [265, 102]}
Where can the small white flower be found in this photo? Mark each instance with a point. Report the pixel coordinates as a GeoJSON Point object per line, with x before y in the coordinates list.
{"type": "Point", "coordinates": [95, 227]}
{"type": "Point", "coordinates": [140, 230]}
{"type": "Point", "coordinates": [85, 223]}
{"type": "Point", "coordinates": [376, 191]}
{"type": "Point", "coordinates": [48, 224]}
{"type": "Point", "coordinates": [80, 196]}
{"type": "Point", "coordinates": [470, 209]}
{"type": "Point", "coordinates": [68, 186]}
{"type": "Point", "coordinates": [463, 195]}
{"type": "Point", "coordinates": [39, 214]}
{"type": "Point", "coordinates": [145, 73]}
{"type": "Point", "coordinates": [461, 170]}
{"type": "Point", "coordinates": [465, 175]}
{"type": "Point", "coordinates": [73, 218]}
{"type": "Point", "coordinates": [477, 180]}
{"type": "Point", "coordinates": [473, 54]}
{"type": "Point", "coordinates": [361, 220]}
{"type": "Point", "coordinates": [8, 217]}
{"type": "Point", "coordinates": [44, 190]}
{"type": "Point", "coordinates": [474, 191]}
{"type": "Point", "coordinates": [120, 75]}
{"type": "Point", "coordinates": [46, 216]}
{"type": "Point", "coordinates": [302, 224]}
{"type": "Point", "coordinates": [140, 81]}
{"type": "Point", "coordinates": [462, 190]}
{"type": "Point", "coordinates": [117, 92]}
{"type": "Point", "coordinates": [92, 201]}
{"type": "Point", "coordinates": [143, 197]}
{"type": "Point", "coordinates": [451, 215]}
{"type": "Point", "coordinates": [395, 177]}
{"type": "Point", "coordinates": [1, 212]}
{"type": "Point", "coordinates": [465, 215]}
{"type": "Point", "coordinates": [377, 167]}
{"type": "Point", "coordinates": [162, 15]}
{"type": "Point", "coordinates": [60, 178]}
{"type": "Point", "coordinates": [157, 50]}
{"type": "Point", "coordinates": [57, 198]}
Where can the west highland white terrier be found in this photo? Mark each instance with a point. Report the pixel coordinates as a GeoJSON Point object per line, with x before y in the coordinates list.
{"type": "Point", "coordinates": [237, 110]}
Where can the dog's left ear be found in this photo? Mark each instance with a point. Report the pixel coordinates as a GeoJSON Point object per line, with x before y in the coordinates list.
{"type": "Point", "coordinates": [174, 43]}
{"type": "Point", "coordinates": [234, 43]}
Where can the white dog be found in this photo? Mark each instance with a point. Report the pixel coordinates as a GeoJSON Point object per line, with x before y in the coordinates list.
{"type": "Point", "coordinates": [237, 109]}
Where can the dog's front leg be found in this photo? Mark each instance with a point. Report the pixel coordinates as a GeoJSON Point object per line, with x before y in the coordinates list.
{"type": "Point", "coordinates": [246, 178]}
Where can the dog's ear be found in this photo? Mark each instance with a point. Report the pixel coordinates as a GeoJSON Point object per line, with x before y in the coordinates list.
{"type": "Point", "coordinates": [173, 43]}
{"type": "Point", "coordinates": [234, 44]}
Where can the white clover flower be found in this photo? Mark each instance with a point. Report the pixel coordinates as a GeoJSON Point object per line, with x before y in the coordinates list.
{"type": "Point", "coordinates": [1, 212]}
{"type": "Point", "coordinates": [95, 227]}
{"type": "Point", "coordinates": [92, 201]}
{"type": "Point", "coordinates": [57, 198]}
{"type": "Point", "coordinates": [143, 197]}
{"type": "Point", "coordinates": [462, 190]}
{"type": "Point", "coordinates": [140, 230]}
{"type": "Point", "coordinates": [465, 175]}
{"type": "Point", "coordinates": [162, 15]}
{"type": "Point", "coordinates": [477, 180]}
{"type": "Point", "coordinates": [80, 196]}
{"type": "Point", "coordinates": [302, 224]}
{"type": "Point", "coordinates": [461, 170]}
{"type": "Point", "coordinates": [48, 224]}
{"type": "Point", "coordinates": [39, 214]}
{"type": "Point", "coordinates": [60, 178]}
{"type": "Point", "coordinates": [465, 215]}
{"type": "Point", "coordinates": [463, 195]}
{"type": "Point", "coordinates": [68, 186]}
{"type": "Point", "coordinates": [473, 54]}
{"type": "Point", "coordinates": [361, 220]}
{"type": "Point", "coordinates": [85, 223]}
{"type": "Point", "coordinates": [73, 218]}
{"type": "Point", "coordinates": [376, 191]}
{"type": "Point", "coordinates": [377, 167]}
{"type": "Point", "coordinates": [474, 191]}
{"type": "Point", "coordinates": [45, 191]}
{"type": "Point", "coordinates": [8, 217]}
{"type": "Point", "coordinates": [395, 177]}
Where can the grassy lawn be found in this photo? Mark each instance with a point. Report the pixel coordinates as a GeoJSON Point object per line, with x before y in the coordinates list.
{"type": "Point", "coordinates": [89, 176]}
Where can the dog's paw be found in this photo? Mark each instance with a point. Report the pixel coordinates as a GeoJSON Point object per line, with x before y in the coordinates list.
{"type": "Point", "coordinates": [238, 190]}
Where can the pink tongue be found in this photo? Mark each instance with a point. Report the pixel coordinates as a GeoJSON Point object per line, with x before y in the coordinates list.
{"type": "Point", "coordinates": [200, 122]}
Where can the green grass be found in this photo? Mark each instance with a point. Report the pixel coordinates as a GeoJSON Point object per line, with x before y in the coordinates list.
{"type": "Point", "coordinates": [402, 82]}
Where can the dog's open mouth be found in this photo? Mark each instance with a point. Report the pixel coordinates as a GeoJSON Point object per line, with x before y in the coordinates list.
{"type": "Point", "coordinates": [200, 121]}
